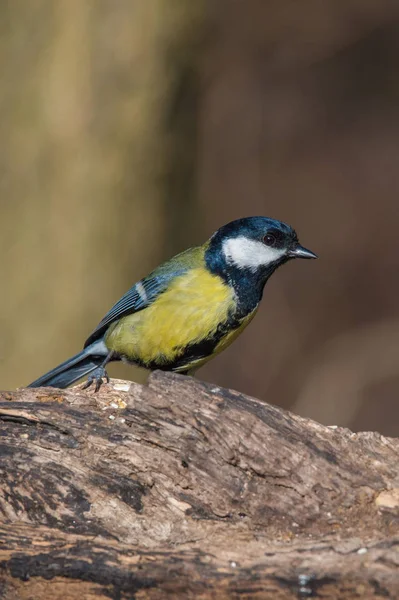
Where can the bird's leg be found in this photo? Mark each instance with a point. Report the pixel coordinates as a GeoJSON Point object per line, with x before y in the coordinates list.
{"type": "Point", "coordinates": [99, 374]}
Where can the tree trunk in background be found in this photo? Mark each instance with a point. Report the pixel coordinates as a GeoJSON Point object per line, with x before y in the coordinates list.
{"type": "Point", "coordinates": [180, 489]}
{"type": "Point", "coordinates": [98, 130]}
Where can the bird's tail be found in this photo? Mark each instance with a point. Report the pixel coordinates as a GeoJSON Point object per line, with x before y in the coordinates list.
{"type": "Point", "coordinates": [74, 368]}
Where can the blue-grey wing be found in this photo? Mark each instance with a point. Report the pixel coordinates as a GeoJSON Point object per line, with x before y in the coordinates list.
{"type": "Point", "coordinates": [143, 293]}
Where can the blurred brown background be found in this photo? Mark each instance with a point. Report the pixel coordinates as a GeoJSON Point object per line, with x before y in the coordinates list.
{"type": "Point", "coordinates": [132, 129]}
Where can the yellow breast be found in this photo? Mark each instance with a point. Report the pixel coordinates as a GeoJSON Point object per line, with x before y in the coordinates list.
{"type": "Point", "coordinates": [189, 311]}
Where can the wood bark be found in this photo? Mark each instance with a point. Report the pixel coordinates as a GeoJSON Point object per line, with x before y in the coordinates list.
{"type": "Point", "coordinates": [180, 489]}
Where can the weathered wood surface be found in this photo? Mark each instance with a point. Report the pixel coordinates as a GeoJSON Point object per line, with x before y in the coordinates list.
{"type": "Point", "coordinates": [179, 489]}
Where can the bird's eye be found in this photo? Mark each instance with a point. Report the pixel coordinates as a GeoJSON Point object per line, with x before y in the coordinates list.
{"type": "Point", "coordinates": [270, 240]}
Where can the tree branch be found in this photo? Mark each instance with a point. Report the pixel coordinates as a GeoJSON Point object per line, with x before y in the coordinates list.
{"type": "Point", "coordinates": [183, 489]}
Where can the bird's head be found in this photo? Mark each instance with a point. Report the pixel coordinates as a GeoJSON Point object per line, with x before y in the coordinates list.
{"type": "Point", "coordinates": [254, 246]}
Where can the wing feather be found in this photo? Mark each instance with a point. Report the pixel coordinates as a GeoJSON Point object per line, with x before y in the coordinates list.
{"type": "Point", "coordinates": [143, 293]}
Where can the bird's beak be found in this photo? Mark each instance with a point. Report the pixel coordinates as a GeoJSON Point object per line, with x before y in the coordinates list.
{"type": "Point", "coordinates": [300, 252]}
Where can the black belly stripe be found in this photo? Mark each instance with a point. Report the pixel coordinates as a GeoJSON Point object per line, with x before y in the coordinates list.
{"type": "Point", "coordinates": [193, 352]}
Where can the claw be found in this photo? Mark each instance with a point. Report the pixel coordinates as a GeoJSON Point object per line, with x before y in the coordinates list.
{"type": "Point", "coordinates": [97, 376]}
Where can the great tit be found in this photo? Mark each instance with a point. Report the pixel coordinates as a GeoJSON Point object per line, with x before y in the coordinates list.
{"type": "Point", "coordinates": [188, 309]}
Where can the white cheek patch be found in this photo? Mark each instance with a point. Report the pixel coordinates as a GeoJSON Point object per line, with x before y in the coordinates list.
{"type": "Point", "coordinates": [250, 254]}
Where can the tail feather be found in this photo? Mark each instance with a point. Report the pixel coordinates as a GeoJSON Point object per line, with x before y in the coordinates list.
{"type": "Point", "coordinates": [74, 368]}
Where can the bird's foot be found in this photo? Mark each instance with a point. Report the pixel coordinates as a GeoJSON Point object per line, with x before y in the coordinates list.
{"type": "Point", "coordinates": [97, 376]}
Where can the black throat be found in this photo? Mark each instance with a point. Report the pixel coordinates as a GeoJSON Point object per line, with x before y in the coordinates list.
{"type": "Point", "coordinates": [247, 283]}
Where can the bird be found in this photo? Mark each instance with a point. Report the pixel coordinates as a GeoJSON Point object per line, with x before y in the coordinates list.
{"type": "Point", "coordinates": [188, 309]}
